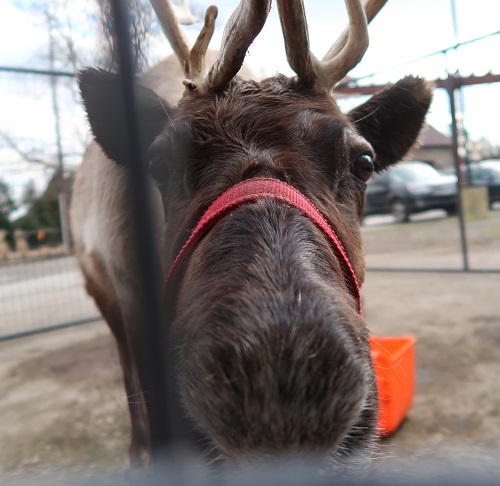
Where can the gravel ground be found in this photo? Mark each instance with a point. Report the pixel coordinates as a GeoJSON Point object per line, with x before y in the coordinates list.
{"type": "Point", "coordinates": [63, 410]}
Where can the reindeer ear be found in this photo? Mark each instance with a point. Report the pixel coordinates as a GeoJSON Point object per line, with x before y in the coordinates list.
{"type": "Point", "coordinates": [103, 99]}
{"type": "Point", "coordinates": [392, 119]}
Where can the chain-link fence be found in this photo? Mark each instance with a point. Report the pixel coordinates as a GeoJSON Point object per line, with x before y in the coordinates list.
{"type": "Point", "coordinates": [43, 134]}
{"type": "Point", "coordinates": [42, 138]}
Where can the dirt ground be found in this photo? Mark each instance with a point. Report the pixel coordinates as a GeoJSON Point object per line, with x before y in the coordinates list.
{"type": "Point", "coordinates": [62, 406]}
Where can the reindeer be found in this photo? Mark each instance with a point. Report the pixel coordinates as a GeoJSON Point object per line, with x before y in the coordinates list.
{"type": "Point", "coordinates": [258, 189]}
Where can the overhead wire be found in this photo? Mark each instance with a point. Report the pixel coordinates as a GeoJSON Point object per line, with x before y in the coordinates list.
{"type": "Point", "coordinates": [421, 58]}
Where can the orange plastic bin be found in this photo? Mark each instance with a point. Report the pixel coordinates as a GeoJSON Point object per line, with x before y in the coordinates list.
{"type": "Point", "coordinates": [394, 361]}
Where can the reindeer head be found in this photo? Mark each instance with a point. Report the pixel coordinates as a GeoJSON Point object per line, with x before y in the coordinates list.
{"type": "Point", "coordinates": [273, 354]}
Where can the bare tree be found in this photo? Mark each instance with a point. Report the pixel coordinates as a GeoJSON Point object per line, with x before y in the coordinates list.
{"type": "Point", "coordinates": [141, 25]}
{"type": "Point", "coordinates": [71, 22]}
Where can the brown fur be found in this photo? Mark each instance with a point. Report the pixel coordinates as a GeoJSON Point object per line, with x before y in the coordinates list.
{"type": "Point", "coordinates": [272, 354]}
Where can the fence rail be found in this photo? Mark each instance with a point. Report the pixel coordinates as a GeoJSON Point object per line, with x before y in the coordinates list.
{"type": "Point", "coordinates": [42, 294]}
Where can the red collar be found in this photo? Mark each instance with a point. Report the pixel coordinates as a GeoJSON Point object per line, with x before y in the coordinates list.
{"type": "Point", "coordinates": [249, 191]}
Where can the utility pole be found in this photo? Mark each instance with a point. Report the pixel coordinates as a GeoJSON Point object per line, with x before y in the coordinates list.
{"type": "Point", "coordinates": [462, 134]}
{"type": "Point", "coordinates": [451, 87]}
{"type": "Point", "coordinates": [453, 84]}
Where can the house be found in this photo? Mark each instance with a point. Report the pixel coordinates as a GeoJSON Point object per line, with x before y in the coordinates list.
{"type": "Point", "coordinates": [435, 148]}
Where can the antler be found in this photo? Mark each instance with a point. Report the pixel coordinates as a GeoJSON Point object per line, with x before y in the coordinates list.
{"type": "Point", "coordinates": [192, 60]}
{"type": "Point", "coordinates": [183, 13]}
{"type": "Point", "coordinates": [242, 28]}
{"type": "Point", "coordinates": [344, 54]}
{"type": "Point", "coordinates": [372, 8]}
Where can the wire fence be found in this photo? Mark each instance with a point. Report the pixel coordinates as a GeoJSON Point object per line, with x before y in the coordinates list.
{"type": "Point", "coordinates": [41, 287]}
{"type": "Point", "coordinates": [40, 284]}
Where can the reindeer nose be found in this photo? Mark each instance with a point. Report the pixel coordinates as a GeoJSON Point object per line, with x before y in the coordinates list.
{"type": "Point", "coordinates": [277, 387]}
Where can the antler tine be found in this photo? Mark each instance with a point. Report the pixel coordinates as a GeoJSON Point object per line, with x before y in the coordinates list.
{"type": "Point", "coordinates": [197, 66]}
{"type": "Point", "coordinates": [294, 25]}
{"type": "Point", "coordinates": [242, 28]}
{"type": "Point", "coordinates": [372, 8]}
{"type": "Point", "coordinates": [183, 13]}
{"type": "Point", "coordinates": [173, 32]}
{"type": "Point", "coordinates": [333, 70]}
{"type": "Point", "coordinates": [192, 60]}
{"type": "Point", "coordinates": [342, 56]}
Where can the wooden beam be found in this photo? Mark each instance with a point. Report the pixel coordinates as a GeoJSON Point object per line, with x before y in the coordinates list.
{"type": "Point", "coordinates": [353, 90]}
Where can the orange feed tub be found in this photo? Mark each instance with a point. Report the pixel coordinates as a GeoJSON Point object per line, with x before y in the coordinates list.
{"type": "Point", "coordinates": [394, 361]}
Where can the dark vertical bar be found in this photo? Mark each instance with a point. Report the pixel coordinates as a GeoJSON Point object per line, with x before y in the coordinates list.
{"type": "Point", "coordinates": [468, 175]}
{"type": "Point", "coordinates": [450, 88]}
{"type": "Point", "coordinates": [150, 354]}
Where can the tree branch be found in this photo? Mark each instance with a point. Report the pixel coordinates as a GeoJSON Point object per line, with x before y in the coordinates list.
{"type": "Point", "coordinates": [10, 143]}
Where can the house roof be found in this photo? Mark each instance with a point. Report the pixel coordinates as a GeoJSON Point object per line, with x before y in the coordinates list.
{"type": "Point", "coordinates": [432, 138]}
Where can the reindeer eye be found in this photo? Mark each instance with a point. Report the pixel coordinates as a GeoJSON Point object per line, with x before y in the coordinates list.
{"type": "Point", "coordinates": [158, 170]}
{"type": "Point", "coordinates": [362, 167]}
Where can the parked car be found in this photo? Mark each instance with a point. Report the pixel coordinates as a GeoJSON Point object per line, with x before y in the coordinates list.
{"type": "Point", "coordinates": [484, 173]}
{"type": "Point", "coordinates": [408, 188]}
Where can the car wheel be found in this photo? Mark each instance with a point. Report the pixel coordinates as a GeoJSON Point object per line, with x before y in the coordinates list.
{"type": "Point", "coordinates": [451, 211]}
{"type": "Point", "coordinates": [400, 211]}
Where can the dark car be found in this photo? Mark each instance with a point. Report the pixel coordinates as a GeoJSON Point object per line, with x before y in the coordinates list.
{"type": "Point", "coordinates": [408, 188]}
{"type": "Point", "coordinates": [487, 173]}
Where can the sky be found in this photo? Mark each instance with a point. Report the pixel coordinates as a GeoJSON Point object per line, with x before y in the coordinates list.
{"type": "Point", "coordinates": [403, 31]}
